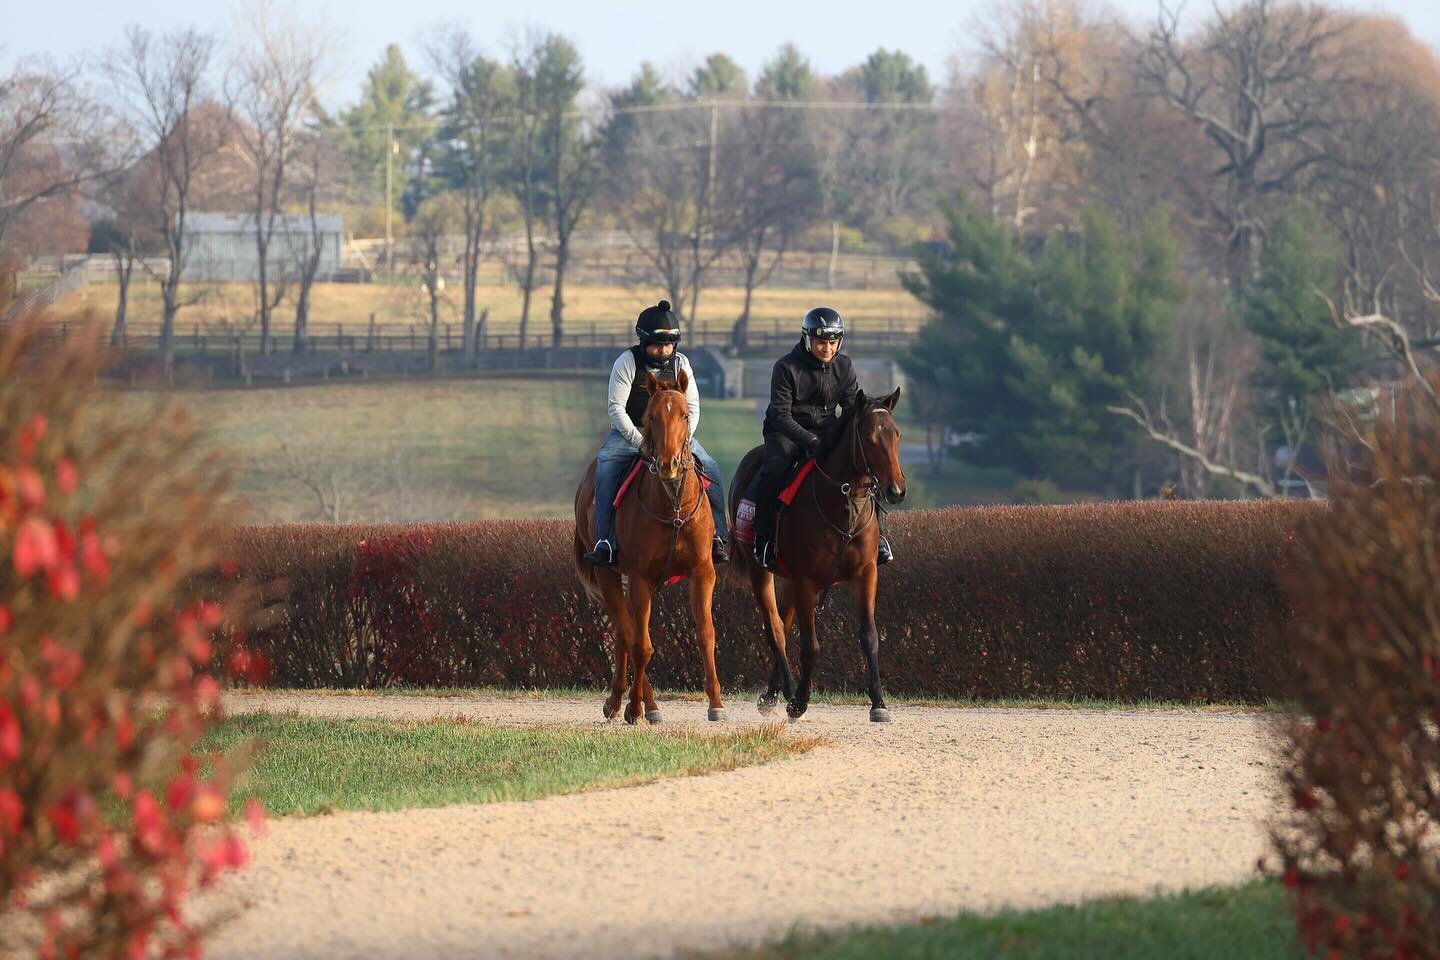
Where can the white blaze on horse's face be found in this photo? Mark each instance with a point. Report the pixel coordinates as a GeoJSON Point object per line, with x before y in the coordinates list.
{"type": "Point", "coordinates": [667, 428]}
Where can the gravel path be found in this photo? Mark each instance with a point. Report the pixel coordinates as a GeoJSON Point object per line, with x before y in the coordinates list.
{"type": "Point", "coordinates": [941, 810]}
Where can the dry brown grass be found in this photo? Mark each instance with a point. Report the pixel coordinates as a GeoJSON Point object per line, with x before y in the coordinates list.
{"type": "Point", "coordinates": [606, 309]}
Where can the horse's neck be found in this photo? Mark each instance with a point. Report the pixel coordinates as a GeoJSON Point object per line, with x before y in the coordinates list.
{"type": "Point", "coordinates": [652, 490]}
{"type": "Point", "coordinates": [840, 463]}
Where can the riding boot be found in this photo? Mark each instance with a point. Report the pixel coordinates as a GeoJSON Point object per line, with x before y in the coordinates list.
{"type": "Point", "coordinates": [718, 552]}
{"type": "Point", "coordinates": [884, 554]}
{"type": "Point", "coordinates": [765, 509]}
{"type": "Point", "coordinates": [602, 554]}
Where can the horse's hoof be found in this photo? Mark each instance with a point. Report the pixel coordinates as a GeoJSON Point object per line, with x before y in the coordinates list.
{"type": "Point", "coordinates": [653, 716]}
{"type": "Point", "coordinates": [716, 713]}
{"type": "Point", "coordinates": [795, 712]}
{"type": "Point", "coordinates": [609, 713]}
{"type": "Point", "coordinates": [879, 715]}
{"type": "Point", "coordinates": [766, 706]}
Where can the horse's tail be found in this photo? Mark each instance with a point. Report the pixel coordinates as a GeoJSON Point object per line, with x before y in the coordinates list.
{"type": "Point", "coordinates": [586, 571]}
{"type": "Point", "coordinates": [741, 559]}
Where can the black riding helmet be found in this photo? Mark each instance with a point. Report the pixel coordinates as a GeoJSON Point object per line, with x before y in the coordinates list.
{"type": "Point", "coordinates": [658, 324]}
{"type": "Point", "coordinates": [822, 323]}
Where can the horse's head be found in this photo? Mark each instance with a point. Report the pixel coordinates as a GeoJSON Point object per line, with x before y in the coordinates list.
{"type": "Point", "coordinates": [667, 426]}
{"type": "Point", "coordinates": [879, 440]}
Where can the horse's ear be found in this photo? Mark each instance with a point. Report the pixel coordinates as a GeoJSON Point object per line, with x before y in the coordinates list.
{"type": "Point", "coordinates": [889, 402]}
{"type": "Point", "coordinates": [651, 384]}
{"type": "Point", "coordinates": [682, 380]}
{"type": "Point", "coordinates": [860, 400]}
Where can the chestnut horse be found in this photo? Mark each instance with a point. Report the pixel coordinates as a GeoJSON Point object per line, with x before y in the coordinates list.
{"type": "Point", "coordinates": [663, 531]}
{"type": "Point", "coordinates": [828, 535]}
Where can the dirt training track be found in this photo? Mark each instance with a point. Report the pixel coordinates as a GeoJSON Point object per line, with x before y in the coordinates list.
{"type": "Point", "coordinates": [942, 810]}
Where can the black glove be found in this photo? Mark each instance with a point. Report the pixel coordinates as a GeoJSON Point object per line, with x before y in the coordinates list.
{"type": "Point", "coordinates": [812, 449]}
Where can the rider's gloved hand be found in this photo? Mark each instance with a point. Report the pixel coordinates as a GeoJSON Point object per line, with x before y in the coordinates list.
{"type": "Point", "coordinates": [812, 449]}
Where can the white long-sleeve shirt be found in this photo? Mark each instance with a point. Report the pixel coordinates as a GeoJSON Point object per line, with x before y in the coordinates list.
{"type": "Point", "coordinates": [622, 379]}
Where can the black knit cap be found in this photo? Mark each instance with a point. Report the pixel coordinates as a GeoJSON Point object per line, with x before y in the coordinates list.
{"type": "Point", "coordinates": [658, 324]}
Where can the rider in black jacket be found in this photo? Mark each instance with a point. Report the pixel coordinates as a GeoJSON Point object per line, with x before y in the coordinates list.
{"type": "Point", "coordinates": [806, 386]}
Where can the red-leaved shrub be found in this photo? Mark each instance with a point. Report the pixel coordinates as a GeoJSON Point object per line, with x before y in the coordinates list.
{"type": "Point", "coordinates": [106, 820]}
{"type": "Point", "coordinates": [1125, 601]}
{"type": "Point", "coordinates": [1358, 846]}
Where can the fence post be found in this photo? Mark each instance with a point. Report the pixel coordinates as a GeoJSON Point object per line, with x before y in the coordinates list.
{"type": "Point", "coordinates": [195, 335]}
{"type": "Point", "coordinates": [370, 337]}
{"type": "Point", "coordinates": [412, 336]}
{"type": "Point", "coordinates": [447, 336]}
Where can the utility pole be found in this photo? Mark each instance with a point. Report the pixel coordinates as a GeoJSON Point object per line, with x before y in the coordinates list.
{"type": "Point", "coordinates": [389, 195]}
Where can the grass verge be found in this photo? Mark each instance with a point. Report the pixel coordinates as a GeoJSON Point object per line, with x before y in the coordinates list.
{"type": "Point", "coordinates": [303, 766]}
{"type": "Point", "coordinates": [1231, 922]}
{"type": "Point", "coordinates": [839, 698]}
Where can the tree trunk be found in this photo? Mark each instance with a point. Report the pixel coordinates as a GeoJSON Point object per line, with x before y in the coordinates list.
{"type": "Point", "coordinates": [432, 287]}
{"type": "Point", "coordinates": [472, 267]}
{"type": "Point", "coordinates": [167, 336]}
{"type": "Point", "coordinates": [529, 285]}
{"type": "Point", "coordinates": [740, 336]}
{"type": "Point", "coordinates": [557, 299]}
{"type": "Point", "coordinates": [834, 254]}
{"type": "Point", "coordinates": [302, 316]}
{"type": "Point", "coordinates": [124, 264]}
{"type": "Point", "coordinates": [263, 279]}
{"type": "Point", "coordinates": [479, 333]}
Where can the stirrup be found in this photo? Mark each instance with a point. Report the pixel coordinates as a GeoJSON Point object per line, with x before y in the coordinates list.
{"type": "Point", "coordinates": [884, 553]}
{"type": "Point", "coordinates": [602, 554]}
{"type": "Point", "coordinates": [718, 552]}
{"type": "Point", "coordinates": [765, 555]}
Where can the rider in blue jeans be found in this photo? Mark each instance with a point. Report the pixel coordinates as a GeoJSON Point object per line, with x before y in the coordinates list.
{"type": "Point", "coordinates": [658, 330]}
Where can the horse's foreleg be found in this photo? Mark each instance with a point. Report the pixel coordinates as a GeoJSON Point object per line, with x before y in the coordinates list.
{"type": "Point", "coordinates": [641, 595]}
{"type": "Point", "coordinates": [863, 587]}
{"type": "Point", "coordinates": [615, 601]}
{"type": "Point", "coordinates": [804, 598]}
{"type": "Point", "coordinates": [763, 585]}
{"type": "Point", "coordinates": [702, 593]}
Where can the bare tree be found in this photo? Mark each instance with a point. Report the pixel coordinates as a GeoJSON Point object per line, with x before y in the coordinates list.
{"type": "Point", "coordinates": [42, 110]}
{"type": "Point", "coordinates": [477, 125]}
{"type": "Point", "coordinates": [571, 157]}
{"type": "Point", "coordinates": [1042, 66]}
{"type": "Point", "coordinates": [665, 199]}
{"type": "Point", "coordinates": [436, 219]}
{"type": "Point", "coordinates": [1258, 83]}
{"type": "Point", "coordinates": [127, 235]}
{"type": "Point", "coordinates": [277, 64]}
{"type": "Point", "coordinates": [1203, 395]}
{"type": "Point", "coordinates": [320, 175]}
{"type": "Point", "coordinates": [166, 85]}
{"type": "Point", "coordinates": [525, 164]}
{"type": "Point", "coordinates": [772, 185]}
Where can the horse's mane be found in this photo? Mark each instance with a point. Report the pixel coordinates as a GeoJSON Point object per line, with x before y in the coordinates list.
{"type": "Point", "coordinates": [836, 433]}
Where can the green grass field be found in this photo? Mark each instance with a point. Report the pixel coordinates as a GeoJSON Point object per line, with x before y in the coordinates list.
{"type": "Point", "coordinates": [1248, 922]}
{"type": "Point", "coordinates": [460, 449]}
{"type": "Point", "coordinates": [304, 766]}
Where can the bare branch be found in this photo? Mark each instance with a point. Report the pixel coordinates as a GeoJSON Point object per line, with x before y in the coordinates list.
{"type": "Point", "coordinates": [1260, 484]}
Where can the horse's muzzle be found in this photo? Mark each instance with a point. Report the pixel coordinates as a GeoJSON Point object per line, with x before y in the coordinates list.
{"type": "Point", "coordinates": [894, 493]}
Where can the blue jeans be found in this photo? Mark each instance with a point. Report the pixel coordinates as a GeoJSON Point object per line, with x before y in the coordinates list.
{"type": "Point", "coordinates": [614, 459]}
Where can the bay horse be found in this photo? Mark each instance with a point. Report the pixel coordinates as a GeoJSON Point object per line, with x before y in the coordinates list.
{"type": "Point", "coordinates": [827, 535]}
{"type": "Point", "coordinates": [663, 529]}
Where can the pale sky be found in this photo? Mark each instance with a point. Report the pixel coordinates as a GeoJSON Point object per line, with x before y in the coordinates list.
{"type": "Point", "coordinates": [614, 36]}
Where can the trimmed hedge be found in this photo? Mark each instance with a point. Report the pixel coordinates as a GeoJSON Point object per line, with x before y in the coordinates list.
{"type": "Point", "coordinates": [1125, 601]}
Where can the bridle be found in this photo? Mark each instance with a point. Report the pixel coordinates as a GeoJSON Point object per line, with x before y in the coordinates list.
{"type": "Point", "coordinates": [678, 519]}
{"type": "Point", "coordinates": [858, 518]}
